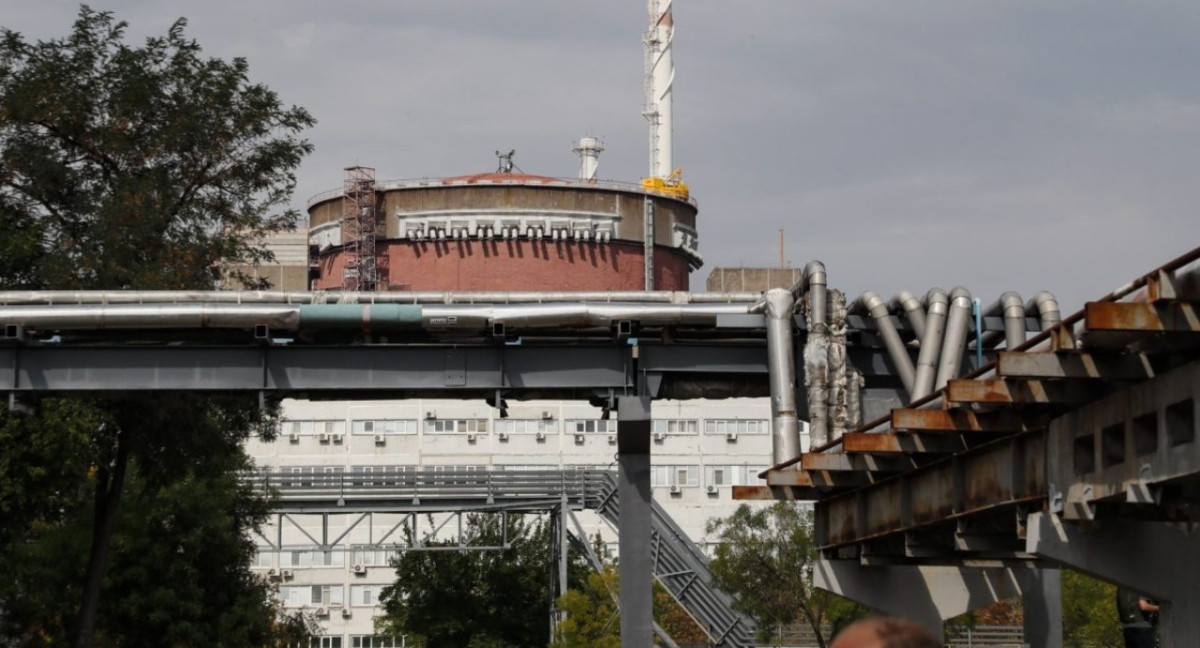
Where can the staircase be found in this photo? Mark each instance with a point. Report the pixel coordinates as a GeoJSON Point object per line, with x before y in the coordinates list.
{"type": "Point", "coordinates": [683, 569]}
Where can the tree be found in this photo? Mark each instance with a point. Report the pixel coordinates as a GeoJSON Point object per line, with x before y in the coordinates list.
{"type": "Point", "coordinates": [592, 617]}
{"type": "Point", "coordinates": [1089, 612]}
{"type": "Point", "coordinates": [475, 597]}
{"type": "Point", "coordinates": [774, 545]}
{"type": "Point", "coordinates": [129, 167]}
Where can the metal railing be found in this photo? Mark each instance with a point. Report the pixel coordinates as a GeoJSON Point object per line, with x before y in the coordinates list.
{"type": "Point", "coordinates": [678, 563]}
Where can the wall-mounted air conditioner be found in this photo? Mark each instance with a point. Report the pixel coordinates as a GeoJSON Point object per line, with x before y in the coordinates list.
{"type": "Point", "coordinates": [547, 415]}
{"type": "Point", "coordinates": [659, 436]}
{"type": "Point", "coordinates": [612, 439]}
{"type": "Point", "coordinates": [471, 438]}
{"type": "Point", "coordinates": [712, 488]}
{"type": "Point", "coordinates": [287, 574]}
{"type": "Point", "coordinates": [579, 439]}
{"type": "Point", "coordinates": [731, 437]}
{"type": "Point", "coordinates": [294, 438]}
{"type": "Point", "coordinates": [431, 414]}
{"type": "Point", "coordinates": [337, 438]}
{"type": "Point", "coordinates": [346, 613]}
{"type": "Point", "coordinates": [541, 436]}
{"type": "Point", "coordinates": [361, 570]}
{"type": "Point", "coordinates": [675, 489]}
{"type": "Point", "coordinates": [322, 612]}
{"type": "Point", "coordinates": [323, 437]}
{"type": "Point", "coordinates": [380, 440]}
{"type": "Point", "coordinates": [503, 436]}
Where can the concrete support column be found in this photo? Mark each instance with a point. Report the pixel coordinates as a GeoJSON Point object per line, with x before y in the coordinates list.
{"type": "Point", "coordinates": [1158, 559]}
{"type": "Point", "coordinates": [1042, 603]}
{"type": "Point", "coordinates": [633, 490]}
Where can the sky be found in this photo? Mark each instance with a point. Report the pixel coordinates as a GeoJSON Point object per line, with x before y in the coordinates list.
{"type": "Point", "coordinates": [999, 145]}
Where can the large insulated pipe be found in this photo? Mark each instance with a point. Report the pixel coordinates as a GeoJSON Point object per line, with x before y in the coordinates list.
{"type": "Point", "coordinates": [954, 345]}
{"type": "Point", "coordinates": [838, 377]}
{"type": "Point", "coordinates": [931, 342]}
{"type": "Point", "coordinates": [49, 297]}
{"type": "Point", "coordinates": [914, 310]}
{"type": "Point", "coordinates": [1045, 306]}
{"type": "Point", "coordinates": [785, 430]}
{"type": "Point", "coordinates": [897, 351]}
{"type": "Point", "coordinates": [814, 283]}
{"type": "Point", "coordinates": [1012, 308]}
{"type": "Point", "coordinates": [374, 317]}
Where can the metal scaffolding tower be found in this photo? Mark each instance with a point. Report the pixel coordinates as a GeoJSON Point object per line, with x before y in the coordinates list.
{"type": "Point", "coordinates": [358, 230]}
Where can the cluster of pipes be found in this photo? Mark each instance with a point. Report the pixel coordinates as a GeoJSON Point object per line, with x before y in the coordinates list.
{"type": "Point", "coordinates": [941, 323]}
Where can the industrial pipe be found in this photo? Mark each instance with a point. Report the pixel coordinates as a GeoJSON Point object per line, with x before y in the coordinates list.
{"type": "Point", "coordinates": [913, 308]}
{"type": "Point", "coordinates": [838, 376]}
{"type": "Point", "coordinates": [374, 317]}
{"type": "Point", "coordinates": [785, 426]}
{"type": "Point", "coordinates": [50, 297]}
{"type": "Point", "coordinates": [931, 342]}
{"type": "Point", "coordinates": [897, 351]}
{"type": "Point", "coordinates": [1045, 306]}
{"type": "Point", "coordinates": [1012, 308]}
{"type": "Point", "coordinates": [955, 342]}
{"type": "Point", "coordinates": [813, 282]}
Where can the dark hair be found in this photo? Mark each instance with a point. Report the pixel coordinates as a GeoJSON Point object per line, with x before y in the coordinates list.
{"type": "Point", "coordinates": [898, 633]}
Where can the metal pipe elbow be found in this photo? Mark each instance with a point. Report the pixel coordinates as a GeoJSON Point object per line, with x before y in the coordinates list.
{"type": "Point", "coordinates": [1045, 306]}
{"type": "Point", "coordinates": [936, 302]}
{"type": "Point", "coordinates": [960, 296]}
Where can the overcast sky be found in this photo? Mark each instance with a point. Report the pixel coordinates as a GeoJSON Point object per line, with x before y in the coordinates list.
{"type": "Point", "coordinates": [998, 145]}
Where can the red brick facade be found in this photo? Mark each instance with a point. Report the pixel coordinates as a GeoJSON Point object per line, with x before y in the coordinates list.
{"type": "Point", "coordinates": [516, 266]}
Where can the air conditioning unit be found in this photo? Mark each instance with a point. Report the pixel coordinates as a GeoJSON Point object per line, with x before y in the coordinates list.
{"type": "Point", "coordinates": [541, 436]}
{"type": "Point", "coordinates": [431, 414]}
{"type": "Point", "coordinates": [731, 436]}
{"type": "Point", "coordinates": [470, 438]}
{"type": "Point", "coordinates": [579, 439]}
{"type": "Point", "coordinates": [712, 488]}
{"type": "Point", "coordinates": [272, 575]}
{"type": "Point", "coordinates": [659, 436]}
{"type": "Point", "coordinates": [547, 415]}
{"type": "Point", "coordinates": [612, 439]}
{"type": "Point", "coordinates": [675, 489]}
{"type": "Point", "coordinates": [323, 437]}
{"type": "Point", "coordinates": [337, 438]}
{"type": "Point", "coordinates": [294, 438]}
{"type": "Point", "coordinates": [503, 436]}
{"type": "Point", "coordinates": [322, 612]}
{"type": "Point", "coordinates": [287, 574]}
{"type": "Point", "coordinates": [345, 613]}
{"type": "Point", "coordinates": [380, 440]}
{"type": "Point", "coordinates": [361, 570]}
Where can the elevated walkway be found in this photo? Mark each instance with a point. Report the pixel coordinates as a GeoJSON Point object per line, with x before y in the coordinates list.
{"type": "Point", "coordinates": [678, 563]}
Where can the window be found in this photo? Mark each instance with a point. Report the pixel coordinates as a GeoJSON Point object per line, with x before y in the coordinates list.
{"type": "Point", "coordinates": [736, 426]}
{"type": "Point", "coordinates": [674, 426]}
{"type": "Point", "coordinates": [460, 426]}
{"type": "Point", "coordinates": [384, 426]}
{"type": "Point", "coordinates": [263, 557]}
{"type": "Point", "coordinates": [368, 641]}
{"type": "Point", "coordinates": [591, 426]}
{"type": "Point", "coordinates": [674, 476]}
{"type": "Point", "coordinates": [382, 476]}
{"type": "Point", "coordinates": [311, 476]}
{"type": "Point", "coordinates": [309, 428]}
{"type": "Point", "coordinates": [373, 557]}
{"type": "Point", "coordinates": [365, 595]}
{"type": "Point", "coordinates": [322, 595]}
{"type": "Point", "coordinates": [313, 558]}
{"type": "Point", "coordinates": [526, 426]}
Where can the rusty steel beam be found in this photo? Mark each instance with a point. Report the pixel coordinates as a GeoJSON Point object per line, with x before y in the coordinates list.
{"type": "Point", "coordinates": [987, 479]}
{"type": "Point", "coordinates": [1013, 391]}
{"type": "Point", "coordinates": [1161, 317]}
{"type": "Point", "coordinates": [788, 477]}
{"type": "Point", "coordinates": [965, 421]}
{"type": "Point", "coordinates": [841, 462]}
{"type": "Point", "coordinates": [828, 480]}
{"type": "Point", "coordinates": [902, 442]}
{"type": "Point", "coordinates": [791, 493]}
{"type": "Point", "coordinates": [1064, 365]}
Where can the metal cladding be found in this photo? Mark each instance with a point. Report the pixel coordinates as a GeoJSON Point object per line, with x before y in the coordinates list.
{"type": "Point", "coordinates": [779, 307]}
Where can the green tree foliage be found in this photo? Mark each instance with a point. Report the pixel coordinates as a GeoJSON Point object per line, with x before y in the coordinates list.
{"type": "Point", "coordinates": [492, 598]}
{"type": "Point", "coordinates": [593, 619]}
{"type": "Point", "coordinates": [1089, 612]}
{"type": "Point", "coordinates": [136, 167]}
{"type": "Point", "coordinates": [144, 167]}
{"type": "Point", "coordinates": [774, 545]}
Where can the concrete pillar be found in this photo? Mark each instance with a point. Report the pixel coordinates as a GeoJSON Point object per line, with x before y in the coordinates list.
{"type": "Point", "coordinates": [1042, 602]}
{"type": "Point", "coordinates": [929, 595]}
{"type": "Point", "coordinates": [633, 490]}
{"type": "Point", "coordinates": [1158, 559]}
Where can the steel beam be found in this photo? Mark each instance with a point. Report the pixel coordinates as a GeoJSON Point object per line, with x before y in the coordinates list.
{"type": "Point", "coordinates": [1019, 392]}
{"type": "Point", "coordinates": [902, 442]}
{"type": "Point", "coordinates": [965, 420]}
{"type": "Point", "coordinates": [1171, 316]}
{"type": "Point", "coordinates": [634, 529]}
{"type": "Point", "coordinates": [1064, 365]}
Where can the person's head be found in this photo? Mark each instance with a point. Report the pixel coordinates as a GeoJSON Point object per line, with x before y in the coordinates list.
{"type": "Point", "coordinates": [885, 632]}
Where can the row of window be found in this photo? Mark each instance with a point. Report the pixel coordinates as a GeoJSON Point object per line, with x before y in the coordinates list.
{"type": "Point", "coordinates": [305, 558]}
{"type": "Point", "coordinates": [295, 596]}
{"type": "Point", "coordinates": [356, 641]}
{"type": "Point", "coordinates": [518, 426]}
{"type": "Point", "coordinates": [395, 475]}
